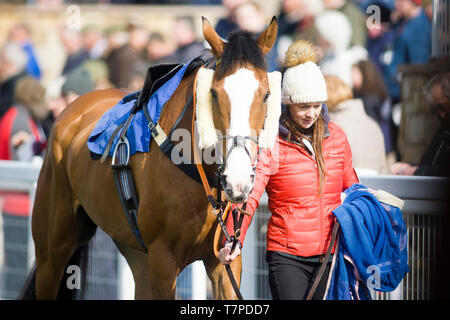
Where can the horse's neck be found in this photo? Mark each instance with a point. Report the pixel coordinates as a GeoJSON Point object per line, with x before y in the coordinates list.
{"type": "Point", "coordinates": [173, 110]}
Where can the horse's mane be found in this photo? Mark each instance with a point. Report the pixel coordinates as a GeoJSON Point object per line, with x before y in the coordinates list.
{"type": "Point", "coordinates": [241, 48]}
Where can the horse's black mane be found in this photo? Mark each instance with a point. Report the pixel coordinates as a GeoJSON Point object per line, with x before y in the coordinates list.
{"type": "Point", "coordinates": [241, 48]}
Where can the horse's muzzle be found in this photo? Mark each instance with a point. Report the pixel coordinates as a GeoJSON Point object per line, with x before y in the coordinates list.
{"type": "Point", "coordinates": [236, 192]}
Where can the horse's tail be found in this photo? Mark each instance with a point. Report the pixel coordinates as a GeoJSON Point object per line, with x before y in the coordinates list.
{"type": "Point", "coordinates": [66, 292]}
{"type": "Point", "coordinates": [71, 287]}
{"type": "Point", "coordinates": [28, 291]}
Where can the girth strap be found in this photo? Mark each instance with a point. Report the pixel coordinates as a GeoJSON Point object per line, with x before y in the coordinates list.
{"type": "Point", "coordinates": [123, 177]}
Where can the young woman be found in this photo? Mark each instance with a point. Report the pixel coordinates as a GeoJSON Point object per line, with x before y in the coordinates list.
{"type": "Point", "coordinates": [304, 175]}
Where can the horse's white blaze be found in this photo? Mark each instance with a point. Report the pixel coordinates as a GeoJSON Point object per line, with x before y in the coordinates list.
{"type": "Point", "coordinates": [240, 87]}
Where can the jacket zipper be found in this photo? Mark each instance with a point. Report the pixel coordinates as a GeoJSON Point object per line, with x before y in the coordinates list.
{"type": "Point", "coordinates": [301, 149]}
{"type": "Point", "coordinates": [320, 209]}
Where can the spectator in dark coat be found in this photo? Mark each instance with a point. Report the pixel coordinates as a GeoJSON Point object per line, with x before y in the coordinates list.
{"type": "Point", "coordinates": [76, 53]}
{"type": "Point", "coordinates": [227, 24]}
{"type": "Point", "coordinates": [188, 47]}
{"type": "Point", "coordinates": [380, 38]}
{"type": "Point", "coordinates": [121, 61]}
{"type": "Point", "coordinates": [436, 159]}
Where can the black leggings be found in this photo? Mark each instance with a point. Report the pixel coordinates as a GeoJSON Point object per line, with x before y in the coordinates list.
{"type": "Point", "coordinates": [291, 279]}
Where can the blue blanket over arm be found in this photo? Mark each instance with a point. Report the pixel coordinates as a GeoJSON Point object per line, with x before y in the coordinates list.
{"type": "Point", "coordinates": [372, 246]}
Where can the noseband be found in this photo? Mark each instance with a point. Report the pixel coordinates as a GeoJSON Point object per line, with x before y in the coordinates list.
{"type": "Point", "coordinates": [238, 142]}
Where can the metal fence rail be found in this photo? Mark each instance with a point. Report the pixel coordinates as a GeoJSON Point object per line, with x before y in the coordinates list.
{"type": "Point", "coordinates": [440, 32]}
{"type": "Point", "coordinates": [110, 278]}
{"type": "Point", "coordinates": [108, 275]}
{"type": "Point", "coordinates": [425, 202]}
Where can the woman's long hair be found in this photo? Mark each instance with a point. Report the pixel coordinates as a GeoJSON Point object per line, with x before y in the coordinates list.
{"type": "Point", "coordinates": [314, 135]}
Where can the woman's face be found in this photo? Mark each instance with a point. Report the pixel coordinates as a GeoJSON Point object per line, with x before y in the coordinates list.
{"type": "Point", "coordinates": [305, 114]}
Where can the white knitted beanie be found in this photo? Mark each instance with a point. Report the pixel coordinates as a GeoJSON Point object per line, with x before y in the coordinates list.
{"type": "Point", "coordinates": [303, 81]}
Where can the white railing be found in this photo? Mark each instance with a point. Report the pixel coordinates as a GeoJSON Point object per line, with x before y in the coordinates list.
{"type": "Point", "coordinates": [109, 276]}
{"type": "Point", "coordinates": [424, 199]}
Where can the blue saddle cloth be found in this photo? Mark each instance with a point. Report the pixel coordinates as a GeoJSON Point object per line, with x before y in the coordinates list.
{"type": "Point", "coordinates": [138, 133]}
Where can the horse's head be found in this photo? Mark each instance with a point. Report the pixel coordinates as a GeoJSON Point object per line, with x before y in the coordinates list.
{"type": "Point", "coordinates": [239, 104]}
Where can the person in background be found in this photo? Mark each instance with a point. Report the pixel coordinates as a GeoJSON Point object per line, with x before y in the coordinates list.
{"type": "Point", "coordinates": [369, 86]}
{"type": "Point", "coordinates": [250, 17]}
{"type": "Point", "coordinates": [121, 61]}
{"type": "Point", "coordinates": [21, 134]}
{"type": "Point", "coordinates": [412, 43]}
{"type": "Point", "coordinates": [158, 49]}
{"type": "Point", "coordinates": [227, 24]}
{"type": "Point", "coordinates": [76, 53]}
{"type": "Point", "coordinates": [304, 175]}
{"type": "Point", "coordinates": [21, 139]}
{"type": "Point", "coordinates": [55, 103]}
{"type": "Point", "coordinates": [77, 83]}
{"type": "Point", "coordinates": [335, 35]}
{"type": "Point", "coordinates": [436, 159]}
{"type": "Point", "coordinates": [20, 33]}
{"type": "Point", "coordinates": [296, 22]}
{"type": "Point", "coordinates": [363, 133]}
{"type": "Point", "coordinates": [188, 47]}
{"type": "Point", "coordinates": [354, 15]}
{"type": "Point", "coordinates": [12, 68]}
{"type": "Point", "coordinates": [93, 41]}
{"type": "Point", "coordinates": [380, 35]}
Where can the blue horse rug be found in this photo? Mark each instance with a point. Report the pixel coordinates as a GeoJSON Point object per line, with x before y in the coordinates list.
{"type": "Point", "coordinates": [138, 133]}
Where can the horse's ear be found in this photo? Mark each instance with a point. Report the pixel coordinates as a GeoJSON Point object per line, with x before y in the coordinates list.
{"type": "Point", "coordinates": [210, 35]}
{"type": "Point", "coordinates": [267, 38]}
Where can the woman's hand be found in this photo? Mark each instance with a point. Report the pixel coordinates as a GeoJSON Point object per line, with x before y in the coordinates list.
{"type": "Point", "coordinates": [19, 138]}
{"type": "Point", "coordinates": [225, 255]}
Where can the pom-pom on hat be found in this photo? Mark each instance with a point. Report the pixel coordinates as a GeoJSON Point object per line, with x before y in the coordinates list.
{"type": "Point", "coordinates": [303, 82]}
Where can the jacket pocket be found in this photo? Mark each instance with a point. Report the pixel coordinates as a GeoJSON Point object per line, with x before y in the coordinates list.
{"type": "Point", "coordinates": [277, 232]}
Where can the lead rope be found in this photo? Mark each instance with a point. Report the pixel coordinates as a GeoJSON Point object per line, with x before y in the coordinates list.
{"type": "Point", "coordinates": [216, 205]}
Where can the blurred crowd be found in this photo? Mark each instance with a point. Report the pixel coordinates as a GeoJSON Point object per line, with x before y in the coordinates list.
{"type": "Point", "coordinates": [360, 45]}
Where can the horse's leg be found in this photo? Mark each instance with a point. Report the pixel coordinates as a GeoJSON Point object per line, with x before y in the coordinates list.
{"type": "Point", "coordinates": [137, 261]}
{"type": "Point", "coordinates": [163, 270]}
{"type": "Point", "coordinates": [58, 229]}
{"type": "Point", "coordinates": [221, 285]}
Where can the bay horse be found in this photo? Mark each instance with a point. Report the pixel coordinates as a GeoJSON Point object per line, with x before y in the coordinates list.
{"type": "Point", "coordinates": [76, 194]}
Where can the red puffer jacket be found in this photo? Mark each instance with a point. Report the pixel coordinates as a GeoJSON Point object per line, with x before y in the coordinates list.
{"type": "Point", "coordinates": [301, 220]}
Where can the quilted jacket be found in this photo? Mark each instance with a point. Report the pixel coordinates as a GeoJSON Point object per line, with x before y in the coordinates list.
{"type": "Point", "coordinates": [302, 220]}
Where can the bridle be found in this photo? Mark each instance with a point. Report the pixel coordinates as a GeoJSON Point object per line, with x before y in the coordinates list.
{"type": "Point", "coordinates": [237, 142]}
{"type": "Point", "coordinates": [220, 208]}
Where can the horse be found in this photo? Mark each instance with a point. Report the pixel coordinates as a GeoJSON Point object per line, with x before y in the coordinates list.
{"type": "Point", "coordinates": [76, 194]}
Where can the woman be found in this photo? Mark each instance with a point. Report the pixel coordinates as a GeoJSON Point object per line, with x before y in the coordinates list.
{"type": "Point", "coordinates": [304, 175]}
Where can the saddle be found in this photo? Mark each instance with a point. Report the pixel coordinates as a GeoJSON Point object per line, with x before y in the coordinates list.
{"type": "Point", "coordinates": [155, 78]}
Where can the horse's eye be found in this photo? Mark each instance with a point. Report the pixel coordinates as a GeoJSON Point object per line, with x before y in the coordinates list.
{"type": "Point", "coordinates": [266, 96]}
